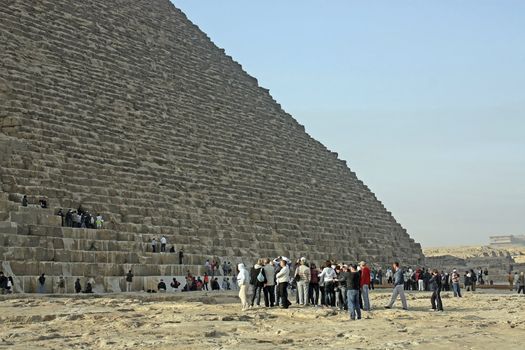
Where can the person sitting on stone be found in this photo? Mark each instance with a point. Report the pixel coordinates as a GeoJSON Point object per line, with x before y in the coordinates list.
{"type": "Point", "coordinates": [89, 288]}
{"type": "Point", "coordinates": [172, 249]}
{"type": "Point", "coordinates": [24, 201]}
{"type": "Point", "coordinates": [78, 286]}
{"type": "Point", "coordinates": [3, 283]}
{"type": "Point", "coordinates": [215, 284]}
{"type": "Point", "coordinates": [175, 284]}
{"type": "Point", "coordinates": [43, 203]}
{"type": "Point", "coordinates": [161, 286]}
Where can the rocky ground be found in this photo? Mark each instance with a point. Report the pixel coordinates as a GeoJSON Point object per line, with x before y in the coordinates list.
{"type": "Point", "coordinates": [481, 320]}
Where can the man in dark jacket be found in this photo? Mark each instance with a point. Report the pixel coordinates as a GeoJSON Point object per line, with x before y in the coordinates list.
{"type": "Point", "coordinates": [256, 283]}
{"type": "Point", "coordinates": [3, 283]}
{"type": "Point", "coordinates": [435, 287]}
{"type": "Point", "coordinates": [78, 286]}
{"type": "Point", "coordinates": [351, 279]}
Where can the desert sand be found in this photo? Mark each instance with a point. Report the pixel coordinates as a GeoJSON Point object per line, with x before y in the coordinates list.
{"type": "Point", "coordinates": [481, 320]}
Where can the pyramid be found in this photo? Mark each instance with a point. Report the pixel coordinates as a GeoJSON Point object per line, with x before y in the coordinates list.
{"type": "Point", "coordinates": [130, 110]}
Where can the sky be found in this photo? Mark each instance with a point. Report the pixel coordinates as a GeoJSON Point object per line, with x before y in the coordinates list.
{"type": "Point", "coordinates": [425, 100]}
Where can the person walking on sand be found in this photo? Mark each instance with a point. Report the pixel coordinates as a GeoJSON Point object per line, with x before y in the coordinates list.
{"type": "Point", "coordinates": [243, 281]}
{"type": "Point", "coordinates": [399, 282]}
{"type": "Point", "coordinates": [435, 287]}
{"type": "Point", "coordinates": [129, 281]}
{"type": "Point", "coordinates": [521, 283]}
{"type": "Point", "coordinates": [455, 277]}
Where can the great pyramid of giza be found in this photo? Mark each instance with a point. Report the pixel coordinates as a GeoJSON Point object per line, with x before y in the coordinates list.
{"type": "Point", "coordinates": [129, 110]}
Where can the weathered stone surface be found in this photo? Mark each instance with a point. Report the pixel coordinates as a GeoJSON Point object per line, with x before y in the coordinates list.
{"type": "Point", "coordinates": [130, 110]}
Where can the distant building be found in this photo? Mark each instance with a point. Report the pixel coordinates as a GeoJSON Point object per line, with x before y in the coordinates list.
{"type": "Point", "coordinates": [506, 240]}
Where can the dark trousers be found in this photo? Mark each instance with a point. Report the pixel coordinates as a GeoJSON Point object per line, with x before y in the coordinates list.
{"type": "Point", "coordinates": [435, 300]}
{"type": "Point", "coordinates": [257, 290]}
{"type": "Point", "coordinates": [521, 289]}
{"type": "Point", "coordinates": [323, 295]}
{"type": "Point", "coordinates": [313, 293]}
{"type": "Point", "coordinates": [329, 293]}
{"type": "Point", "coordinates": [269, 296]}
{"type": "Point", "coordinates": [283, 294]}
{"type": "Point", "coordinates": [163, 247]}
{"type": "Point", "coordinates": [205, 286]}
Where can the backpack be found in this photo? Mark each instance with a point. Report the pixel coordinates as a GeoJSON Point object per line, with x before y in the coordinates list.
{"type": "Point", "coordinates": [260, 276]}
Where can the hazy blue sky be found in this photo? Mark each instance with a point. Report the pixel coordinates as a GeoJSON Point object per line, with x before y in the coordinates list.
{"type": "Point", "coordinates": [424, 99]}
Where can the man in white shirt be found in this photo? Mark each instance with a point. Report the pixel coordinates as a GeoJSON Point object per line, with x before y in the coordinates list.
{"type": "Point", "coordinates": [283, 278]}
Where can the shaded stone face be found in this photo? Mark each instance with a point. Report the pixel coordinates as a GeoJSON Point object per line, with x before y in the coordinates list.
{"type": "Point", "coordinates": [130, 110]}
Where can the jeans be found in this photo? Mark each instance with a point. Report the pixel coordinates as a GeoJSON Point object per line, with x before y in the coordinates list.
{"type": "Point", "coordinates": [456, 289]}
{"type": "Point", "coordinates": [329, 293]}
{"type": "Point", "coordinates": [420, 285]}
{"type": "Point", "coordinates": [269, 296]}
{"type": "Point", "coordinates": [313, 293]}
{"type": "Point", "coordinates": [352, 295]}
{"type": "Point", "coordinates": [436, 299]}
{"type": "Point", "coordinates": [366, 300]}
{"type": "Point", "coordinates": [343, 298]}
{"type": "Point", "coordinates": [398, 290]}
{"type": "Point", "coordinates": [257, 290]}
{"type": "Point", "coordinates": [302, 292]}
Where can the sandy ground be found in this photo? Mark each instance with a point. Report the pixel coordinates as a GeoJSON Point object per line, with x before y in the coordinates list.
{"type": "Point", "coordinates": [483, 320]}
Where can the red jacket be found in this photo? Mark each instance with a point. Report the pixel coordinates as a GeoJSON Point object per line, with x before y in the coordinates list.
{"type": "Point", "coordinates": [365, 276]}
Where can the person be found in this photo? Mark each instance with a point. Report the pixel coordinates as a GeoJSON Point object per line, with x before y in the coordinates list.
{"type": "Point", "coordinates": [302, 276]}
{"type": "Point", "coordinates": [42, 284]}
{"type": "Point", "coordinates": [172, 249]}
{"type": "Point", "coordinates": [10, 284]}
{"type": "Point", "coordinates": [379, 276]}
{"type": "Point", "coordinates": [313, 287]}
{"type": "Point", "coordinates": [99, 221]}
{"type": "Point", "coordinates": [205, 281]}
{"type": "Point", "coordinates": [389, 275]}
{"type": "Point", "coordinates": [454, 277]}
{"type": "Point", "coordinates": [129, 281]}
{"type": "Point", "coordinates": [328, 275]}
{"type": "Point", "coordinates": [163, 242]}
{"type": "Point", "coordinates": [24, 201]}
{"type": "Point", "coordinates": [269, 285]}
{"type": "Point", "coordinates": [61, 285]}
{"type": "Point", "coordinates": [3, 283]}
{"type": "Point", "coordinates": [467, 281]}
{"type": "Point", "coordinates": [399, 281]}
{"type": "Point", "coordinates": [161, 286]}
{"type": "Point", "coordinates": [364, 284]}
{"type": "Point", "coordinates": [435, 287]}
{"type": "Point", "coordinates": [516, 280]}
{"type": "Point", "coordinates": [243, 279]}
{"type": "Point", "coordinates": [69, 218]}
{"type": "Point", "coordinates": [420, 281]}
{"type": "Point", "coordinates": [181, 256]}
{"type": "Point", "coordinates": [521, 283]}
{"type": "Point", "coordinates": [175, 284]}
{"type": "Point", "coordinates": [352, 281]}
{"type": "Point", "coordinates": [215, 284]}
{"type": "Point", "coordinates": [89, 287]}
{"type": "Point", "coordinates": [78, 286]}
{"type": "Point", "coordinates": [154, 245]}
{"type": "Point", "coordinates": [62, 216]}
{"type": "Point", "coordinates": [43, 203]}
{"type": "Point", "coordinates": [283, 279]}
{"type": "Point", "coordinates": [257, 280]}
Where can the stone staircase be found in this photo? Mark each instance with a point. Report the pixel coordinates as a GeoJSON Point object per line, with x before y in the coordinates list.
{"type": "Point", "coordinates": [32, 241]}
{"type": "Point", "coordinates": [162, 133]}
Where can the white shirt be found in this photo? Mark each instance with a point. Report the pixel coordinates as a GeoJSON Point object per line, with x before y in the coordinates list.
{"type": "Point", "coordinates": [163, 240]}
{"type": "Point", "coordinates": [328, 274]}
